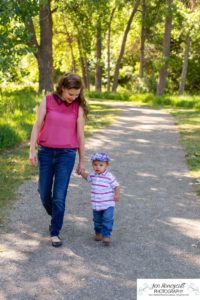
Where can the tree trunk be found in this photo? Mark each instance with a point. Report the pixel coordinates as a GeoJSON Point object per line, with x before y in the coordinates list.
{"type": "Point", "coordinates": [117, 67]}
{"type": "Point", "coordinates": [45, 57]}
{"type": "Point", "coordinates": [98, 74]}
{"type": "Point", "coordinates": [108, 49]}
{"type": "Point", "coordinates": [185, 65]}
{"type": "Point", "coordinates": [43, 50]}
{"type": "Point", "coordinates": [69, 40]}
{"type": "Point", "coordinates": [142, 47]}
{"type": "Point", "coordinates": [84, 65]}
{"type": "Point", "coordinates": [166, 50]}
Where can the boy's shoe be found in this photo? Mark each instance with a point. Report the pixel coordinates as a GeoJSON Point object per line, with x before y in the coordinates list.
{"type": "Point", "coordinates": [106, 241]}
{"type": "Point", "coordinates": [98, 237]}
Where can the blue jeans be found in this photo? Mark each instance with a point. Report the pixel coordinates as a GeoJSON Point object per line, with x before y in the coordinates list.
{"type": "Point", "coordinates": [55, 168]}
{"type": "Point", "coordinates": [103, 221]}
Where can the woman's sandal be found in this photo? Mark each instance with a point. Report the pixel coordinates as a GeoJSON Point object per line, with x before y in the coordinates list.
{"type": "Point", "coordinates": [56, 243]}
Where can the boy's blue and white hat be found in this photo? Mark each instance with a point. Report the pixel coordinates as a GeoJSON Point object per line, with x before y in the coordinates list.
{"type": "Point", "coordinates": [101, 156]}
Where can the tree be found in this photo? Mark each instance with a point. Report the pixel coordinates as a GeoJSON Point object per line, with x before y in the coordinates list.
{"type": "Point", "coordinates": [26, 37]}
{"type": "Point", "coordinates": [166, 50]}
{"type": "Point", "coordinates": [142, 40]}
{"type": "Point", "coordinates": [98, 73]}
{"type": "Point", "coordinates": [108, 48]}
{"type": "Point", "coordinates": [13, 35]}
{"type": "Point", "coordinates": [192, 15]}
{"type": "Point", "coordinates": [43, 49]}
{"type": "Point", "coordinates": [121, 53]}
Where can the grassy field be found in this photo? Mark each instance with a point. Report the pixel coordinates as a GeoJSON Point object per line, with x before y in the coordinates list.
{"type": "Point", "coordinates": [17, 111]}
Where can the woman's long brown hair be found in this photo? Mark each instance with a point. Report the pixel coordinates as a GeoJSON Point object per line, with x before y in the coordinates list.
{"type": "Point", "coordinates": [73, 81]}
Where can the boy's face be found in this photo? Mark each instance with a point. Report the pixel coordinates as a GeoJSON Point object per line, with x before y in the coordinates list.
{"type": "Point", "coordinates": [99, 166]}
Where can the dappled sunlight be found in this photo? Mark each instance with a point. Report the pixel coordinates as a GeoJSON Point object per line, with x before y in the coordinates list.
{"type": "Point", "coordinates": [142, 141]}
{"type": "Point", "coordinates": [156, 221]}
{"type": "Point", "coordinates": [185, 256]}
{"type": "Point", "coordinates": [77, 219]}
{"type": "Point", "coordinates": [179, 175]}
{"type": "Point", "coordinates": [145, 174]}
{"type": "Point", "coordinates": [13, 255]}
{"type": "Point", "coordinates": [17, 246]}
{"type": "Point", "coordinates": [188, 227]}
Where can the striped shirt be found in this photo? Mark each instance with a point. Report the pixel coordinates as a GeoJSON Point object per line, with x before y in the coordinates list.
{"type": "Point", "coordinates": [102, 189]}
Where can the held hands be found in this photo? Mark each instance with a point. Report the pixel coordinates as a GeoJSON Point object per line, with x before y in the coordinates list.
{"type": "Point", "coordinates": [80, 168]}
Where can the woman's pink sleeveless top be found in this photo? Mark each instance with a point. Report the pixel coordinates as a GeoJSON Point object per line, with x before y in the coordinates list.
{"type": "Point", "coordinates": [59, 129]}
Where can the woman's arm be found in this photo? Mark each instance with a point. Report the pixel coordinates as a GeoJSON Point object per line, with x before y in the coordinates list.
{"type": "Point", "coordinates": [81, 138]}
{"type": "Point", "coordinates": [35, 131]}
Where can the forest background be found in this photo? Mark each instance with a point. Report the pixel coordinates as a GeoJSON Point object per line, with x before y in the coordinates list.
{"type": "Point", "coordinates": [139, 46]}
{"type": "Point", "coordinates": [135, 50]}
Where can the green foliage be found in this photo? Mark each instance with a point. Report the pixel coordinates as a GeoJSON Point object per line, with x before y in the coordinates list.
{"type": "Point", "coordinates": [74, 26]}
{"type": "Point", "coordinates": [17, 111]}
{"type": "Point", "coordinates": [14, 34]}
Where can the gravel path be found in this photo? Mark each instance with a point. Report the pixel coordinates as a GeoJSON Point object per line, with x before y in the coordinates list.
{"type": "Point", "coordinates": [157, 222]}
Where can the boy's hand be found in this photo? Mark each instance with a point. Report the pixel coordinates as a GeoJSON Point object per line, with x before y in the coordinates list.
{"type": "Point", "coordinates": [84, 174]}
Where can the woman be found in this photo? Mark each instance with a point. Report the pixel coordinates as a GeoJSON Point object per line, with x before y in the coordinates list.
{"type": "Point", "coordinates": [59, 133]}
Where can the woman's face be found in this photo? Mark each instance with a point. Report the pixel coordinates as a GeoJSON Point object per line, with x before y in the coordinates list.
{"type": "Point", "coordinates": [69, 95]}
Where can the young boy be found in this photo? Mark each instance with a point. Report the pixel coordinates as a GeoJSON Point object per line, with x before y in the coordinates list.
{"type": "Point", "coordinates": [105, 191]}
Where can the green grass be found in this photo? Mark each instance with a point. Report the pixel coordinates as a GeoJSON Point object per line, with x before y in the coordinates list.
{"type": "Point", "coordinates": [14, 170]}
{"type": "Point", "coordinates": [100, 116]}
{"type": "Point", "coordinates": [188, 121]}
{"type": "Point", "coordinates": [17, 113]}
{"type": "Point", "coordinates": [184, 101]}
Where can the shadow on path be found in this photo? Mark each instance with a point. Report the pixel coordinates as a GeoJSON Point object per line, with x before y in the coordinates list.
{"type": "Point", "coordinates": [157, 222]}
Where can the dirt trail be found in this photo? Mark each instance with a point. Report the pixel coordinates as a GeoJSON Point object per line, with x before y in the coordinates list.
{"type": "Point", "coordinates": [156, 222]}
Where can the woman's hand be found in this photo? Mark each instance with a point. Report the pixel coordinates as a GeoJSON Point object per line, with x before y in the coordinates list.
{"type": "Point", "coordinates": [80, 168]}
{"type": "Point", "coordinates": [33, 158]}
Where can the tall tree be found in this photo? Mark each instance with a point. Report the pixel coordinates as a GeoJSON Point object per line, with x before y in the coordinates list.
{"type": "Point", "coordinates": [108, 48]}
{"type": "Point", "coordinates": [185, 65]}
{"type": "Point", "coordinates": [121, 53]}
{"type": "Point", "coordinates": [191, 4]}
{"type": "Point", "coordinates": [43, 49]}
{"type": "Point", "coordinates": [80, 14]}
{"type": "Point", "coordinates": [23, 12]}
{"type": "Point", "coordinates": [142, 40]}
{"type": "Point", "coordinates": [162, 81]}
{"type": "Point", "coordinates": [98, 72]}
